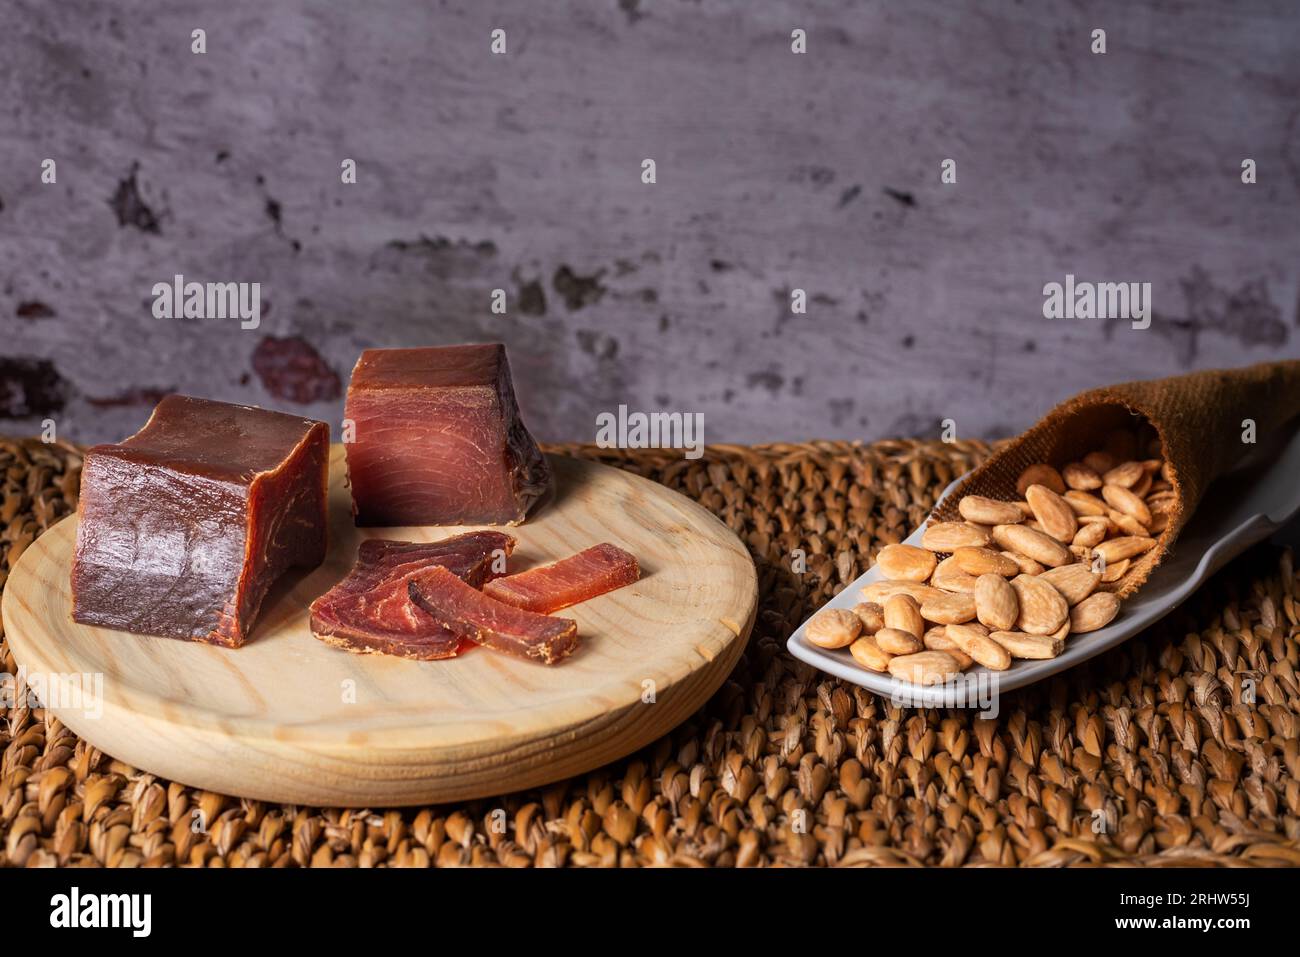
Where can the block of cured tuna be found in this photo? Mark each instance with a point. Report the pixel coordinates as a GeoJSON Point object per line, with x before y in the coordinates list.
{"type": "Point", "coordinates": [466, 611]}
{"type": "Point", "coordinates": [547, 588]}
{"type": "Point", "coordinates": [437, 439]}
{"type": "Point", "coordinates": [371, 611]}
{"type": "Point", "coordinates": [184, 526]}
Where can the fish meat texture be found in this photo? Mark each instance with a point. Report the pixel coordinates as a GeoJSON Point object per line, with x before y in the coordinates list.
{"type": "Point", "coordinates": [184, 527]}
{"type": "Point", "coordinates": [469, 613]}
{"type": "Point", "coordinates": [438, 439]}
{"type": "Point", "coordinates": [371, 610]}
{"type": "Point", "coordinates": [547, 588]}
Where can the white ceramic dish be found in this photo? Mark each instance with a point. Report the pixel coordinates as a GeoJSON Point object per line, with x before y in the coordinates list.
{"type": "Point", "coordinates": [1240, 509]}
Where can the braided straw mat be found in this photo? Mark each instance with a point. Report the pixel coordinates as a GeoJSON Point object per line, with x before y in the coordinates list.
{"type": "Point", "coordinates": [1142, 756]}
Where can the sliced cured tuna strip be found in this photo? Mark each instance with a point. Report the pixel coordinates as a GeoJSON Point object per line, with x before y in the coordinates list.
{"type": "Point", "coordinates": [468, 612]}
{"type": "Point", "coordinates": [593, 571]}
{"type": "Point", "coordinates": [383, 620]}
{"type": "Point", "coordinates": [476, 557]}
{"type": "Point", "coordinates": [439, 439]}
{"type": "Point", "coordinates": [371, 610]}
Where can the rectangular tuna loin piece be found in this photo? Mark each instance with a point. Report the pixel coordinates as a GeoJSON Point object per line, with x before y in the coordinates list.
{"type": "Point", "coordinates": [471, 614]}
{"type": "Point", "coordinates": [185, 526]}
{"type": "Point", "coordinates": [438, 439]}
{"type": "Point", "coordinates": [547, 588]}
{"type": "Point", "coordinates": [371, 610]}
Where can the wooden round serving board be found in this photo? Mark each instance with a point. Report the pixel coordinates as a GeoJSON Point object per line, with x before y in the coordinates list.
{"type": "Point", "coordinates": [287, 718]}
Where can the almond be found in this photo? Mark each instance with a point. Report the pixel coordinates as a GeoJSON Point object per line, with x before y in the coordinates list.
{"type": "Point", "coordinates": [949, 577]}
{"type": "Point", "coordinates": [1042, 608]}
{"type": "Point", "coordinates": [1127, 502]}
{"type": "Point", "coordinates": [1096, 611]}
{"type": "Point", "coordinates": [984, 561]}
{"type": "Point", "coordinates": [1052, 512]}
{"type": "Point", "coordinates": [950, 609]}
{"type": "Point", "coordinates": [1084, 503]}
{"type": "Point", "coordinates": [1125, 474]}
{"type": "Point", "coordinates": [1075, 581]}
{"type": "Point", "coordinates": [906, 563]}
{"type": "Point", "coordinates": [833, 628]}
{"type": "Point", "coordinates": [1100, 462]}
{"type": "Point", "coordinates": [980, 647]}
{"type": "Point", "coordinates": [964, 660]}
{"type": "Point", "coordinates": [881, 591]}
{"type": "Point", "coordinates": [867, 653]}
{"type": "Point", "coordinates": [936, 638]}
{"type": "Point", "coordinates": [924, 667]}
{"type": "Point", "coordinates": [1117, 549]}
{"type": "Point", "coordinates": [871, 615]}
{"type": "Point", "coordinates": [895, 641]}
{"type": "Point", "coordinates": [1036, 545]}
{"type": "Point", "coordinates": [1026, 564]}
{"type": "Point", "coordinates": [1089, 534]}
{"type": "Point", "coordinates": [988, 511]}
{"type": "Point", "coordinates": [1161, 503]}
{"type": "Point", "coordinates": [1115, 571]}
{"type": "Point", "coordinates": [1121, 524]}
{"type": "Point", "coordinates": [1078, 476]}
{"type": "Point", "coordinates": [1056, 547]}
{"type": "Point", "coordinates": [1040, 474]}
{"type": "Point", "coordinates": [996, 604]}
{"type": "Point", "coordinates": [945, 536]}
{"type": "Point", "coordinates": [903, 612]}
{"type": "Point", "coordinates": [1021, 645]}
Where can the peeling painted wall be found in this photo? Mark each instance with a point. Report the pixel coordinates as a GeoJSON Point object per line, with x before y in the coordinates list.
{"type": "Point", "coordinates": [775, 171]}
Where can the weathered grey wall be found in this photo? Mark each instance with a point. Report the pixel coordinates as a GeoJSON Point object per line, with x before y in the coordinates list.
{"type": "Point", "coordinates": [775, 171]}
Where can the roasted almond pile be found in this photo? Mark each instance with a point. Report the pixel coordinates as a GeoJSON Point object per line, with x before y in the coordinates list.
{"type": "Point", "coordinates": [1014, 579]}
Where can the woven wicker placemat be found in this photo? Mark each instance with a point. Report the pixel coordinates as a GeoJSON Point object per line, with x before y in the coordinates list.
{"type": "Point", "coordinates": [1153, 753]}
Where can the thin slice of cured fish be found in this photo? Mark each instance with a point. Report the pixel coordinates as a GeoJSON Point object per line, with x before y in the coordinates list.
{"type": "Point", "coordinates": [467, 612]}
{"type": "Point", "coordinates": [370, 610]}
{"type": "Point", "coordinates": [593, 571]}
{"type": "Point", "coordinates": [383, 620]}
{"type": "Point", "coordinates": [476, 557]}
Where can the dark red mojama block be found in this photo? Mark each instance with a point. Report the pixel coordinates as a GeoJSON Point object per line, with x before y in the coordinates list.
{"type": "Point", "coordinates": [438, 439]}
{"type": "Point", "coordinates": [185, 526]}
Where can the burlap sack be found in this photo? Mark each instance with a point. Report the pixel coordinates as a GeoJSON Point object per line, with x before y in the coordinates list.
{"type": "Point", "coordinates": [1198, 419]}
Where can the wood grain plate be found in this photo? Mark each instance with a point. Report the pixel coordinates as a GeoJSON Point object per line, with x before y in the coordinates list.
{"type": "Point", "coordinates": [288, 719]}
